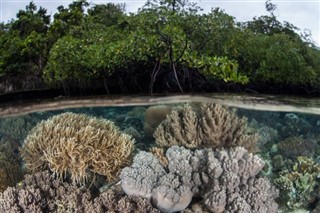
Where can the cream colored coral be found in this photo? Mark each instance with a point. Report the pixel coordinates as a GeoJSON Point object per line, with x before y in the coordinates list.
{"type": "Point", "coordinates": [77, 144]}
{"type": "Point", "coordinates": [159, 153]}
{"type": "Point", "coordinates": [214, 126]}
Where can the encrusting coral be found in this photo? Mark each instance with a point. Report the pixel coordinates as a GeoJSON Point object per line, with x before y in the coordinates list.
{"type": "Point", "coordinates": [77, 144]}
{"type": "Point", "coordinates": [225, 179]}
{"type": "Point", "coordinates": [214, 127]}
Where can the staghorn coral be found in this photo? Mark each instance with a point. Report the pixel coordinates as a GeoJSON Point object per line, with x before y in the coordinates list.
{"type": "Point", "coordinates": [10, 170]}
{"type": "Point", "coordinates": [153, 116]}
{"type": "Point", "coordinates": [300, 186]}
{"type": "Point", "coordinates": [77, 144]}
{"type": "Point", "coordinates": [214, 127]}
{"type": "Point", "coordinates": [224, 179]}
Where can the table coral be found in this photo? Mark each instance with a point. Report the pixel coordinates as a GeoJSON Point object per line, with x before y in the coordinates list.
{"type": "Point", "coordinates": [214, 127]}
{"type": "Point", "coordinates": [76, 144]}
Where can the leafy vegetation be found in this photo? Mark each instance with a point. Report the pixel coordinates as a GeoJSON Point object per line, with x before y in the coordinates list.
{"type": "Point", "coordinates": [168, 45]}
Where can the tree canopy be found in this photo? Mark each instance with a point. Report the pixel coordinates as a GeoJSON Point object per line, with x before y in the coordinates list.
{"type": "Point", "coordinates": [167, 45]}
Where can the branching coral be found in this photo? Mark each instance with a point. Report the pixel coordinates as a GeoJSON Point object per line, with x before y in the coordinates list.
{"type": "Point", "coordinates": [214, 126]}
{"type": "Point", "coordinates": [76, 144]}
{"type": "Point", "coordinates": [299, 187]}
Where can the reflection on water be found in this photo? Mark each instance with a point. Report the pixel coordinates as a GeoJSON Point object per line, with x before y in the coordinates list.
{"type": "Point", "coordinates": [261, 102]}
{"type": "Point", "coordinates": [171, 156]}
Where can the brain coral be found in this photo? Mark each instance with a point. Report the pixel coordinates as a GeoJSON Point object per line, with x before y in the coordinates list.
{"type": "Point", "coordinates": [77, 144]}
{"type": "Point", "coordinates": [214, 126]}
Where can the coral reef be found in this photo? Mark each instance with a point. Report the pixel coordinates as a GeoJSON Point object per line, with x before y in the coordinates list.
{"type": "Point", "coordinates": [77, 144]}
{"type": "Point", "coordinates": [293, 147]}
{"type": "Point", "coordinates": [299, 187]}
{"type": "Point", "coordinates": [224, 179]}
{"type": "Point", "coordinates": [16, 128]}
{"type": "Point", "coordinates": [10, 170]}
{"type": "Point", "coordinates": [153, 116]}
{"type": "Point", "coordinates": [42, 192]}
{"type": "Point", "coordinates": [159, 153]}
{"type": "Point", "coordinates": [127, 118]}
{"type": "Point", "coordinates": [294, 125]}
{"type": "Point", "coordinates": [137, 111]}
{"type": "Point", "coordinates": [214, 127]}
{"type": "Point", "coordinates": [133, 132]}
{"type": "Point", "coordinates": [196, 208]}
{"type": "Point", "coordinates": [267, 134]}
{"type": "Point", "coordinates": [115, 201]}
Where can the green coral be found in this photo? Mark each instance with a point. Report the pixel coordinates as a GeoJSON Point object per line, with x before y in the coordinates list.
{"type": "Point", "coordinates": [300, 186]}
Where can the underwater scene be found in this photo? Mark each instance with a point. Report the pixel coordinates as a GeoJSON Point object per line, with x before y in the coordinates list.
{"type": "Point", "coordinates": [178, 157]}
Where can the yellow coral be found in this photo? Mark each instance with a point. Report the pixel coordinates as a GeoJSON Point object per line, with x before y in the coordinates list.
{"type": "Point", "coordinates": [77, 144]}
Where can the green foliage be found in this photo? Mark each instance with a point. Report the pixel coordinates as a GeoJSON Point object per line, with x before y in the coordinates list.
{"type": "Point", "coordinates": [24, 45]}
{"type": "Point", "coordinates": [275, 59]}
{"type": "Point", "coordinates": [30, 20]}
{"type": "Point", "coordinates": [166, 40]}
{"type": "Point", "coordinates": [65, 60]}
{"type": "Point", "coordinates": [216, 68]}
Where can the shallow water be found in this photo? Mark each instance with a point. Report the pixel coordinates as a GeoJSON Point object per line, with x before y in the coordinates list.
{"type": "Point", "coordinates": [288, 129]}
